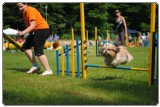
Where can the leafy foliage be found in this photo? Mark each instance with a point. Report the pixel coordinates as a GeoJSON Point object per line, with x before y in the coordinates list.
{"type": "Point", "coordinates": [61, 17]}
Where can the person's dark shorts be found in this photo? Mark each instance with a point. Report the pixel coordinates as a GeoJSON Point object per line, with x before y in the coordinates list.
{"type": "Point", "coordinates": [37, 40]}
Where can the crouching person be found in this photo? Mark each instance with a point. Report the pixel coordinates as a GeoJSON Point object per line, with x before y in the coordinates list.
{"type": "Point", "coordinates": [38, 30]}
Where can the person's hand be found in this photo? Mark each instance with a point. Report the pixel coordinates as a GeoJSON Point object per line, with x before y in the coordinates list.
{"type": "Point", "coordinates": [20, 33]}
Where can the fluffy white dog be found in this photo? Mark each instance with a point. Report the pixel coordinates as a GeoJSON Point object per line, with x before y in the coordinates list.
{"type": "Point", "coordinates": [115, 55]}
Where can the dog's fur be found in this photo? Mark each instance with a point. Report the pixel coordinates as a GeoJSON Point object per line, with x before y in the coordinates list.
{"type": "Point", "coordinates": [115, 55]}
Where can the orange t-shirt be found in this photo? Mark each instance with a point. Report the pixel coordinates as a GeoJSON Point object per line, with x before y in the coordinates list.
{"type": "Point", "coordinates": [33, 14]}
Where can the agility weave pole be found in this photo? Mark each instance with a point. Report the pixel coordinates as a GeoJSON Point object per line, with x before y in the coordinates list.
{"type": "Point", "coordinates": [101, 43]}
{"type": "Point", "coordinates": [99, 46]}
{"type": "Point", "coordinates": [71, 48]}
{"type": "Point", "coordinates": [66, 64]}
{"type": "Point", "coordinates": [66, 52]}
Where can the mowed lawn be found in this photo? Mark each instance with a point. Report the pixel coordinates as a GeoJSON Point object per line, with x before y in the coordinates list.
{"type": "Point", "coordinates": [103, 86]}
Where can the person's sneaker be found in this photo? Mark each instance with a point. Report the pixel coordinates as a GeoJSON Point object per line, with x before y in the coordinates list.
{"type": "Point", "coordinates": [33, 69]}
{"type": "Point", "coordinates": [50, 72]}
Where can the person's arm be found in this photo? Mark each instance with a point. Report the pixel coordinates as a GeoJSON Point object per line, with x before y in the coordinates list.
{"type": "Point", "coordinates": [28, 29]}
{"type": "Point", "coordinates": [125, 25]}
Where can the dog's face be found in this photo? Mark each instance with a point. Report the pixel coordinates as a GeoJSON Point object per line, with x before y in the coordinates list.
{"type": "Point", "coordinates": [109, 50]}
{"type": "Point", "coordinates": [115, 55]}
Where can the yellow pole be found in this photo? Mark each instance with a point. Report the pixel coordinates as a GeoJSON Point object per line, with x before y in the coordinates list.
{"type": "Point", "coordinates": [72, 54]}
{"type": "Point", "coordinates": [87, 36]}
{"type": "Point", "coordinates": [95, 34]}
{"type": "Point", "coordinates": [62, 59]}
{"type": "Point", "coordinates": [152, 29]}
{"type": "Point", "coordinates": [107, 36]}
{"type": "Point", "coordinates": [72, 34]}
{"type": "Point", "coordinates": [83, 39]}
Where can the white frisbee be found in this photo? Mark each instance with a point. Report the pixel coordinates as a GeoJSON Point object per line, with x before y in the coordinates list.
{"type": "Point", "coordinates": [10, 31]}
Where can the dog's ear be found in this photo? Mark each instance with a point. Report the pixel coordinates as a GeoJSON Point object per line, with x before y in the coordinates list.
{"type": "Point", "coordinates": [102, 49]}
{"type": "Point", "coordinates": [117, 49]}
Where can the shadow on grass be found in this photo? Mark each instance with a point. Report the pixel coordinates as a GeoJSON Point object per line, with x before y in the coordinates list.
{"type": "Point", "coordinates": [107, 78]}
{"type": "Point", "coordinates": [114, 93]}
{"type": "Point", "coordinates": [18, 69]}
{"type": "Point", "coordinates": [60, 98]}
{"type": "Point", "coordinates": [116, 90]}
{"type": "Point", "coordinates": [127, 92]}
{"type": "Point", "coordinates": [21, 70]}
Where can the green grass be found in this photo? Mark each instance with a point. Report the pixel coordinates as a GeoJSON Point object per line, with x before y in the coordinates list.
{"type": "Point", "coordinates": [102, 86]}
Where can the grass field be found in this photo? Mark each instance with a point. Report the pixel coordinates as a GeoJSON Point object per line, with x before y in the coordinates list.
{"type": "Point", "coordinates": [102, 86]}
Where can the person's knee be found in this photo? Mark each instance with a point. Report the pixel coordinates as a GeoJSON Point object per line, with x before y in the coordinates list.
{"type": "Point", "coordinates": [38, 53]}
{"type": "Point", "coordinates": [26, 47]}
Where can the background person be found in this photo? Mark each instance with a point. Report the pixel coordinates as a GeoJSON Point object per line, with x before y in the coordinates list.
{"type": "Point", "coordinates": [56, 38]}
{"type": "Point", "coordinates": [121, 29]}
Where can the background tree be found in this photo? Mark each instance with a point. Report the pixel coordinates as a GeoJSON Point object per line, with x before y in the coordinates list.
{"type": "Point", "coordinates": [61, 17]}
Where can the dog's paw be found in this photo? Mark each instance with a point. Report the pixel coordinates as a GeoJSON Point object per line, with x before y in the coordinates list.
{"type": "Point", "coordinates": [114, 63]}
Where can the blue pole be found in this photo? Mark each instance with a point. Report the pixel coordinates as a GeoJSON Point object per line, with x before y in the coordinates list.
{"type": "Point", "coordinates": [104, 42]}
{"type": "Point", "coordinates": [121, 67]}
{"type": "Point", "coordinates": [67, 60]}
{"type": "Point", "coordinates": [78, 58]}
{"type": "Point", "coordinates": [116, 67]}
{"type": "Point", "coordinates": [92, 65]}
{"type": "Point", "coordinates": [57, 62]}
